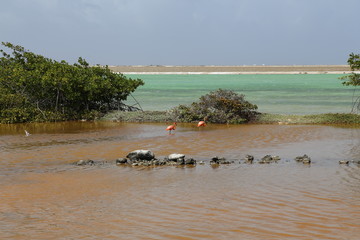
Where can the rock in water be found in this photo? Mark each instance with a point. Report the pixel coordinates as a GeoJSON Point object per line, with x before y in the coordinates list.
{"type": "Point", "coordinates": [176, 156]}
{"type": "Point", "coordinates": [85, 162]}
{"type": "Point", "coordinates": [344, 162]}
{"type": "Point", "coordinates": [190, 161]}
{"type": "Point", "coordinates": [121, 161]}
{"type": "Point", "coordinates": [266, 159]}
{"type": "Point", "coordinates": [141, 155]}
{"type": "Point", "coordinates": [249, 158]}
{"type": "Point", "coordinates": [219, 160]}
{"type": "Point", "coordinates": [304, 159]}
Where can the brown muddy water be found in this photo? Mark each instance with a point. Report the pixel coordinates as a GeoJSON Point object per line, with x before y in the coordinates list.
{"type": "Point", "coordinates": [44, 196]}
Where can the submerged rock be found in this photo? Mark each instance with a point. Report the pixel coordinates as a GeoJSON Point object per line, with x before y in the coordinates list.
{"type": "Point", "coordinates": [121, 161]}
{"type": "Point", "coordinates": [304, 159]}
{"type": "Point", "coordinates": [88, 162]}
{"type": "Point", "coordinates": [344, 162]}
{"type": "Point", "coordinates": [218, 160]}
{"type": "Point", "coordinates": [190, 161]}
{"type": "Point", "coordinates": [276, 158]}
{"type": "Point", "coordinates": [249, 158]}
{"type": "Point", "coordinates": [269, 159]}
{"type": "Point", "coordinates": [84, 162]}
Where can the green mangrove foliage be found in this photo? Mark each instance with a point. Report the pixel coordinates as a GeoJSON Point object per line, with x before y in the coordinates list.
{"type": "Point", "coordinates": [221, 106]}
{"type": "Point", "coordinates": [354, 78]}
{"type": "Point", "coordinates": [36, 88]}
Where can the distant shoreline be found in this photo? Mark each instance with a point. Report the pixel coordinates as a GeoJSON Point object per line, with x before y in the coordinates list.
{"type": "Point", "coordinates": [293, 69]}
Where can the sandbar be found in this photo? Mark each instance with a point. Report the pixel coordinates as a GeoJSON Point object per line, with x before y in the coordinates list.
{"type": "Point", "coordinates": [244, 69]}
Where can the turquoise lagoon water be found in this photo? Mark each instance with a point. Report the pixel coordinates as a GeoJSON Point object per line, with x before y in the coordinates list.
{"type": "Point", "coordinates": [279, 93]}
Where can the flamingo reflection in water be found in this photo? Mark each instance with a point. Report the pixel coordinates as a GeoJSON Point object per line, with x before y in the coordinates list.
{"type": "Point", "coordinates": [27, 134]}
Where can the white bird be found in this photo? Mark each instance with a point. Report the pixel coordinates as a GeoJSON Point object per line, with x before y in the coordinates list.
{"type": "Point", "coordinates": [27, 133]}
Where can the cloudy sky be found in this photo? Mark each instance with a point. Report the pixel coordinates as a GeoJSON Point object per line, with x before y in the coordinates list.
{"type": "Point", "coordinates": [185, 32]}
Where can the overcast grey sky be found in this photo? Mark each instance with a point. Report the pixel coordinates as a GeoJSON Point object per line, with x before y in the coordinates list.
{"type": "Point", "coordinates": [185, 32]}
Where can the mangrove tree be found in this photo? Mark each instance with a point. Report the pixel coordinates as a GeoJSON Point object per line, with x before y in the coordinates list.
{"type": "Point", "coordinates": [36, 88]}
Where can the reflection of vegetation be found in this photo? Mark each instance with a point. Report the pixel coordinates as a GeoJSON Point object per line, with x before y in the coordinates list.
{"type": "Point", "coordinates": [221, 106]}
{"type": "Point", "coordinates": [35, 88]}
{"type": "Point", "coordinates": [138, 116]}
{"type": "Point", "coordinates": [354, 78]}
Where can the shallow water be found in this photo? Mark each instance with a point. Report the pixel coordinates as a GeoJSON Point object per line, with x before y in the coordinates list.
{"type": "Point", "coordinates": [44, 196]}
{"type": "Point", "coordinates": [273, 93]}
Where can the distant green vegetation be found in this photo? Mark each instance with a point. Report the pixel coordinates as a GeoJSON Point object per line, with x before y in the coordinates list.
{"type": "Point", "coordinates": [354, 78]}
{"type": "Point", "coordinates": [225, 106]}
{"type": "Point", "coordinates": [34, 88]}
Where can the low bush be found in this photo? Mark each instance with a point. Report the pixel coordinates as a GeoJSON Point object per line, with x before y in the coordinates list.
{"type": "Point", "coordinates": [220, 106]}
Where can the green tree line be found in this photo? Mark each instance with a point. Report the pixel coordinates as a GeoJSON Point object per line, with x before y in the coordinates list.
{"type": "Point", "coordinates": [353, 79]}
{"type": "Point", "coordinates": [36, 88]}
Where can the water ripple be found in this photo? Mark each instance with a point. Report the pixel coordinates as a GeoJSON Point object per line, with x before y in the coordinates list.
{"type": "Point", "coordinates": [45, 197]}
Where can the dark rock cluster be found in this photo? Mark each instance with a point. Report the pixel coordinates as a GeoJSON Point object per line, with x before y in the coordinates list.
{"type": "Point", "coordinates": [269, 159]}
{"type": "Point", "coordinates": [220, 160]}
{"type": "Point", "coordinates": [249, 159]}
{"type": "Point", "coordinates": [304, 159]}
{"type": "Point", "coordinates": [147, 158]}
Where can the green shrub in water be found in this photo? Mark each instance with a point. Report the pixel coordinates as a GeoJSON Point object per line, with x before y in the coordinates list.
{"type": "Point", "coordinates": [220, 106]}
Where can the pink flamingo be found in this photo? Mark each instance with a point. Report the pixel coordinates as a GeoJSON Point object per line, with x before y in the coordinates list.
{"type": "Point", "coordinates": [201, 124]}
{"type": "Point", "coordinates": [171, 127]}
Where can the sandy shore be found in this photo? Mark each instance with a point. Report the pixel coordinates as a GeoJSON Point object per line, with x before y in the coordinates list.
{"type": "Point", "coordinates": [295, 69]}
